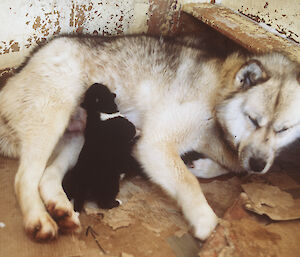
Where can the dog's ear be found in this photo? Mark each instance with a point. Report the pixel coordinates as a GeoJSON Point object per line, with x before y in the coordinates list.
{"type": "Point", "coordinates": [250, 74]}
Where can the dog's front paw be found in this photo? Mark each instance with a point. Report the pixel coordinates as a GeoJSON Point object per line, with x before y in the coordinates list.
{"type": "Point", "coordinates": [66, 218]}
{"type": "Point", "coordinates": [205, 223]}
{"type": "Point", "coordinates": [41, 228]}
{"type": "Point", "coordinates": [59, 206]}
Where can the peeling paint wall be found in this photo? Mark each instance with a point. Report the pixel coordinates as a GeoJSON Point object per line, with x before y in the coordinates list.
{"type": "Point", "coordinates": [194, 1]}
{"type": "Point", "coordinates": [282, 16]}
{"type": "Point", "coordinates": [26, 23]}
{"type": "Point", "coordinates": [163, 17]}
{"type": "Point", "coordinates": [199, 1]}
{"type": "Point", "coordinates": [277, 16]}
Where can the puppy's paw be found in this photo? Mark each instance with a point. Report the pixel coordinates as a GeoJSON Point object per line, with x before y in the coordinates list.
{"type": "Point", "coordinates": [66, 218]}
{"type": "Point", "coordinates": [206, 223]}
{"type": "Point", "coordinates": [41, 228]}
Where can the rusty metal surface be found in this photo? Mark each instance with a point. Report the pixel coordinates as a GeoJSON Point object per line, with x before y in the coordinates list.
{"type": "Point", "coordinates": [242, 30]}
{"type": "Point", "coordinates": [163, 17]}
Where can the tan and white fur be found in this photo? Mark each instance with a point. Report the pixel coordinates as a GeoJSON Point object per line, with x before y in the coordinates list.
{"type": "Point", "coordinates": [238, 111]}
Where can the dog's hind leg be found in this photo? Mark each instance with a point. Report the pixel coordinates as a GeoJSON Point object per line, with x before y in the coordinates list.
{"type": "Point", "coordinates": [38, 138]}
{"type": "Point", "coordinates": [51, 191]}
{"type": "Point", "coordinates": [162, 163]}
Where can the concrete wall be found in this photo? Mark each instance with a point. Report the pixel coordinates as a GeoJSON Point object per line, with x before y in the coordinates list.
{"type": "Point", "coordinates": [26, 23]}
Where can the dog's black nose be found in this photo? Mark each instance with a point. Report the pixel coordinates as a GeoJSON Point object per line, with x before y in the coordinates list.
{"type": "Point", "coordinates": [257, 164]}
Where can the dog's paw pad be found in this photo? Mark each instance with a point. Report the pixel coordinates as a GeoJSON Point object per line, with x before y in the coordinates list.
{"type": "Point", "coordinates": [57, 212]}
{"type": "Point", "coordinates": [44, 229]}
{"type": "Point", "coordinates": [69, 224]}
{"type": "Point", "coordinates": [66, 219]}
{"type": "Point", "coordinates": [205, 228]}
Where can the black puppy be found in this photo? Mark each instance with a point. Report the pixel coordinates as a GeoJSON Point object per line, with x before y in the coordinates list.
{"type": "Point", "coordinates": [105, 155]}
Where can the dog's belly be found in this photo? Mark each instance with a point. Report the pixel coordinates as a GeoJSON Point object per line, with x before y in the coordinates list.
{"type": "Point", "coordinates": [77, 121]}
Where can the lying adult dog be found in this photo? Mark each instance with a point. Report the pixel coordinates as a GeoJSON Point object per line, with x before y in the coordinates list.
{"type": "Point", "coordinates": [238, 111]}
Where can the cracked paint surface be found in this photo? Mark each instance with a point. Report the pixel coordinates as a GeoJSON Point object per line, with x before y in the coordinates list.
{"type": "Point", "coordinates": [282, 16]}
{"type": "Point", "coordinates": [26, 23]}
{"type": "Point", "coordinates": [163, 17]}
{"type": "Point", "coordinates": [279, 17]}
{"type": "Point", "coordinates": [244, 31]}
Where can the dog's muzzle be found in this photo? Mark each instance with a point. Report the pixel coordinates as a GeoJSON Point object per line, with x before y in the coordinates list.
{"type": "Point", "coordinates": [256, 161]}
{"type": "Point", "coordinates": [257, 164]}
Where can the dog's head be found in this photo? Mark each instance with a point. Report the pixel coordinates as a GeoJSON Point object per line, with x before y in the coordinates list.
{"type": "Point", "coordinates": [259, 112]}
{"type": "Point", "coordinates": [99, 98]}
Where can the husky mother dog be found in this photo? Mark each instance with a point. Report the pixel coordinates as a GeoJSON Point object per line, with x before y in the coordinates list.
{"type": "Point", "coordinates": [238, 111]}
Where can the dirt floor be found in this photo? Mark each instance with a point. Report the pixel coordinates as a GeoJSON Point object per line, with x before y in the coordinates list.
{"type": "Point", "coordinates": [149, 223]}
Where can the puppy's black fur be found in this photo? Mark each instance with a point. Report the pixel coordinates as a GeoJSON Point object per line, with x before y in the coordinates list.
{"type": "Point", "coordinates": [105, 155]}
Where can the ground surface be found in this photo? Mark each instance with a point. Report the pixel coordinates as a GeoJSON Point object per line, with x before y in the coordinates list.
{"type": "Point", "coordinates": [150, 224]}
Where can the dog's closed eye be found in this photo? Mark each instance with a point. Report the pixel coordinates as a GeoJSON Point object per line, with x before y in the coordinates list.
{"type": "Point", "coordinates": [281, 130]}
{"type": "Point", "coordinates": [254, 121]}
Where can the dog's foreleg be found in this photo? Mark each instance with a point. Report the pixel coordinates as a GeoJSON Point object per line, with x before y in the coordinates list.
{"type": "Point", "coordinates": [51, 191]}
{"type": "Point", "coordinates": [164, 166]}
{"type": "Point", "coordinates": [38, 223]}
{"type": "Point", "coordinates": [39, 135]}
{"type": "Point", "coordinates": [36, 150]}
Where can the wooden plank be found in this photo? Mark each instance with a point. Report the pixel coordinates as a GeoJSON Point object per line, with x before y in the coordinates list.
{"type": "Point", "coordinates": [241, 29]}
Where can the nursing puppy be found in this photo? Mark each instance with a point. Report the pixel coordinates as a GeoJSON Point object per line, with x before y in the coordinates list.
{"type": "Point", "coordinates": [239, 111]}
{"type": "Point", "coordinates": [105, 155]}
